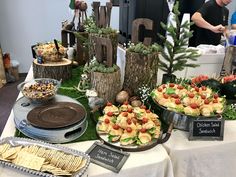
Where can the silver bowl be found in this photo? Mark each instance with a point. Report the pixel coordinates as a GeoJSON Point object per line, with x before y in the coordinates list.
{"type": "Point", "coordinates": [180, 121]}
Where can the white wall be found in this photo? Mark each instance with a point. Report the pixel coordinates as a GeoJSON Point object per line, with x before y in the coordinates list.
{"type": "Point", "coordinates": [26, 22]}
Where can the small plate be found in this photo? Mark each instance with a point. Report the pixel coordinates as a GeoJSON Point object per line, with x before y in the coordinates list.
{"type": "Point", "coordinates": [57, 115]}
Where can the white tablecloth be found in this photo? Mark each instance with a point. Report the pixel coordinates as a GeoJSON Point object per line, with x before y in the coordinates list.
{"type": "Point", "coordinates": [203, 158]}
{"type": "Point", "coordinates": [151, 163]}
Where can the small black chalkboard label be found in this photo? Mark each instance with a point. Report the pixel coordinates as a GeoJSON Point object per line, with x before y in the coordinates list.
{"type": "Point", "coordinates": [206, 129]}
{"type": "Point", "coordinates": [107, 157]}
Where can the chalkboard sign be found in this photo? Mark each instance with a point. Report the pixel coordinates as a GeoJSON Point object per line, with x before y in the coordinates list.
{"type": "Point", "coordinates": [107, 157]}
{"type": "Point", "coordinates": [206, 129]}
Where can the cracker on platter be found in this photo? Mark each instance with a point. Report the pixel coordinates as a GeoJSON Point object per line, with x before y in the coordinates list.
{"type": "Point", "coordinates": [29, 160]}
{"type": "Point", "coordinates": [42, 159]}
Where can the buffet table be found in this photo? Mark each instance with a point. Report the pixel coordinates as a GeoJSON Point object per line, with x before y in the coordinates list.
{"type": "Point", "coordinates": [203, 158]}
{"type": "Point", "coordinates": [153, 163]}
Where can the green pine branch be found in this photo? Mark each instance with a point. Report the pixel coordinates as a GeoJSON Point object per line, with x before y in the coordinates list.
{"type": "Point", "coordinates": [175, 54]}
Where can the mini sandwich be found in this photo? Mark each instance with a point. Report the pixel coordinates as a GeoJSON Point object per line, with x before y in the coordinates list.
{"type": "Point", "coordinates": [125, 107]}
{"type": "Point", "coordinates": [111, 108]}
{"type": "Point", "coordinates": [144, 138]}
{"type": "Point", "coordinates": [105, 126]}
{"type": "Point", "coordinates": [115, 133]}
{"type": "Point", "coordinates": [122, 120]}
{"type": "Point", "coordinates": [139, 112]}
{"type": "Point", "coordinates": [192, 110]}
{"type": "Point", "coordinates": [128, 137]}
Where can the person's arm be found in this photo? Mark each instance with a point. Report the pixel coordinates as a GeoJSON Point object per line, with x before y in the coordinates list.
{"type": "Point", "coordinates": [233, 26]}
{"type": "Point", "coordinates": [200, 22]}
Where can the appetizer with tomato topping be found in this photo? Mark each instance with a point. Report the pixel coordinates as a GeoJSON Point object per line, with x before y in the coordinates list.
{"type": "Point", "coordinates": [189, 99]}
{"type": "Point", "coordinates": [131, 126]}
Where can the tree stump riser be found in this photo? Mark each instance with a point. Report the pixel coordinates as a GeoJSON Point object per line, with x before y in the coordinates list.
{"type": "Point", "coordinates": [139, 71]}
{"type": "Point", "coordinates": [57, 70]}
{"type": "Point", "coordinates": [107, 84]}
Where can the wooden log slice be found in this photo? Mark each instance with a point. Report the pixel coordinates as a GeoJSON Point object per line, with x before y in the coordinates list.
{"type": "Point", "coordinates": [140, 70]}
{"type": "Point", "coordinates": [107, 84]}
{"type": "Point", "coordinates": [55, 70]}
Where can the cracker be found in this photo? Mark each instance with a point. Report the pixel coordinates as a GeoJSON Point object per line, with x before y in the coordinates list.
{"type": "Point", "coordinates": [4, 147]}
{"type": "Point", "coordinates": [82, 164]}
{"type": "Point", "coordinates": [28, 160]}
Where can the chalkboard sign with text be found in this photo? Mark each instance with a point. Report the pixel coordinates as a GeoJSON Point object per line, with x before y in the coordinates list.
{"type": "Point", "coordinates": [206, 129]}
{"type": "Point", "coordinates": [107, 157]}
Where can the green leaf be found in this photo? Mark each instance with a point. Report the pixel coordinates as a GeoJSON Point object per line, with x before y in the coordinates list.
{"type": "Point", "coordinates": [110, 137]}
{"type": "Point", "coordinates": [152, 130]}
{"type": "Point", "coordinates": [127, 139]}
{"type": "Point", "coordinates": [170, 91]}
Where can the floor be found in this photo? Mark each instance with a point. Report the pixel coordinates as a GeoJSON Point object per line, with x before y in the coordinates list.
{"type": "Point", "coordinates": [8, 95]}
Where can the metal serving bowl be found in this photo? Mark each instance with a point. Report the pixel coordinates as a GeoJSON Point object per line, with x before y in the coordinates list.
{"type": "Point", "coordinates": [180, 121]}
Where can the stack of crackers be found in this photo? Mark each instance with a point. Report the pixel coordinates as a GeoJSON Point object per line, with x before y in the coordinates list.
{"type": "Point", "coordinates": [42, 159]}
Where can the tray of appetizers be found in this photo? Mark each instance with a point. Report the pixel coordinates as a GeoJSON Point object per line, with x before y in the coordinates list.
{"type": "Point", "coordinates": [182, 103]}
{"type": "Point", "coordinates": [42, 159]}
{"type": "Point", "coordinates": [129, 128]}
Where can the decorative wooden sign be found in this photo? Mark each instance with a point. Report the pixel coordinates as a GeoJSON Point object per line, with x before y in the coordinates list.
{"type": "Point", "coordinates": [107, 157]}
{"type": "Point", "coordinates": [104, 51]}
{"type": "Point", "coordinates": [206, 129]}
{"type": "Point", "coordinates": [115, 2]}
{"type": "Point", "coordinates": [102, 14]}
{"type": "Point", "coordinates": [147, 23]}
{"type": "Point", "coordinates": [2, 70]}
{"type": "Point", "coordinates": [68, 39]}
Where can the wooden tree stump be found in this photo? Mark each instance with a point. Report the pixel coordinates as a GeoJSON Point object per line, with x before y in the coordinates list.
{"type": "Point", "coordinates": [140, 70]}
{"type": "Point", "coordinates": [55, 70]}
{"type": "Point", "coordinates": [107, 84]}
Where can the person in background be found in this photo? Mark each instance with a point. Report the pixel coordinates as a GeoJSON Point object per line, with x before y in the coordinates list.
{"type": "Point", "coordinates": [233, 21]}
{"type": "Point", "coordinates": [190, 6]}
{"type": "Point", "coordinates": [211, 21]}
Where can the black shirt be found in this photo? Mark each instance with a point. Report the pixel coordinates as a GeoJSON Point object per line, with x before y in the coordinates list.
{"type": "Point", "coordinates": [215, 15]}
{"type": "Point", "coordinates": [190, 6]}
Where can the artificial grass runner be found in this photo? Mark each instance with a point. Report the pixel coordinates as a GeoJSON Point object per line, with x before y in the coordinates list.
{"type": "Point", "coordinates": [68, 89]}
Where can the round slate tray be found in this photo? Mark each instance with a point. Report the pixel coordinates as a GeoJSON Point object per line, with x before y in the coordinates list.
{"type": "Point", "coordinates": [57, 115]}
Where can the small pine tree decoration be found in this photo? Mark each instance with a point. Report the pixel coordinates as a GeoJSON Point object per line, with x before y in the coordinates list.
{"type": "Point", "coordinates": [175, 53]}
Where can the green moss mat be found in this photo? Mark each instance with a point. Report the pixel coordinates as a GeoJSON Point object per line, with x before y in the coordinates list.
{"type": "Point", "coordinates": [67, 88]}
